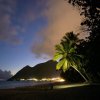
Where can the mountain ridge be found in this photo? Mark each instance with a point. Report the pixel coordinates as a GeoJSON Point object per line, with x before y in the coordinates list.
{"type": "Point", "coordinates": [39, 71]}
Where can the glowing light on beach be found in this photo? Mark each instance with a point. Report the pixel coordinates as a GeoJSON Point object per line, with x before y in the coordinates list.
{"type": "Point", "coordinates": [22, 79]}
{"type": "Point", "coordinates": [45, 79]}
{"type": "Point", "coordinates": [30, 79]}
{"type": "Point", "coordinates": [33, 79]}
{"type": "Point", "coordinates": [56, 79]}
{"type": "Point", "coordinates": [70, 86]}
{"type": "Point", "coordinates": [61, 80]}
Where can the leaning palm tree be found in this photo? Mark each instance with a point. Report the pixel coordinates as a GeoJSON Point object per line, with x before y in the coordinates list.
{"type": "Point", "coordinates": [67, 56]}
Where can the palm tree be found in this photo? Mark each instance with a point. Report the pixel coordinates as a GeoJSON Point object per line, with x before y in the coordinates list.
{"type": "Point", "coordinates": [67, 56]}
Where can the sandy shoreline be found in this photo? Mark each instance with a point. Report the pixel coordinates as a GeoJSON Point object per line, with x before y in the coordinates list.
{"type": "Point", "coordinates": [90, 92]}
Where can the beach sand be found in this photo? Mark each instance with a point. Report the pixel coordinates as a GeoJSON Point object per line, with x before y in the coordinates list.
{"type": "Point", "coordinates": [89, 92]}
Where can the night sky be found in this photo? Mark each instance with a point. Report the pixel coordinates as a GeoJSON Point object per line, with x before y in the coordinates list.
{"type": "Point", "coordinates": [29, 30]}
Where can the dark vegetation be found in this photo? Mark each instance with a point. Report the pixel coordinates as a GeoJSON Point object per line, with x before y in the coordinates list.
{"type": "Point", "coordinates": [72, 76]}
{"type": "Point", "coordinates": [90, 47]}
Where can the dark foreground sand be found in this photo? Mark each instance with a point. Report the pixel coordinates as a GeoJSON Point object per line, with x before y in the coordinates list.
{"type": "Point", "coordinates": [91, 92]}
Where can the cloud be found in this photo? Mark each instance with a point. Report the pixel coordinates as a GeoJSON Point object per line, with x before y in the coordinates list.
{"type": "Point", "coordinates": [16, 17]}
{"type": "Point", "coordinates": [26, 17]}
{"type": "Point", "coordinates": [5, 74]}
{"type": "Point", "coordinates": [61, 18]}
{"type": "Point", "coordinates": [8, 31]}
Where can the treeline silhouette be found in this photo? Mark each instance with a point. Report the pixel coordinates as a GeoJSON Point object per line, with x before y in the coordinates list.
{"type": "Point", "coordinates": [90, 47]}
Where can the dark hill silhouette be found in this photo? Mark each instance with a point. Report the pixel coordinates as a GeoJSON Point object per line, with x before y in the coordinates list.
{"type": "Point", "coordinates": [42, 70]}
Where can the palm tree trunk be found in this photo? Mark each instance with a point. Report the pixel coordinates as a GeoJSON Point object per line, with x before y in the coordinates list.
{"type": "Point", "coordinates": [81, 74]}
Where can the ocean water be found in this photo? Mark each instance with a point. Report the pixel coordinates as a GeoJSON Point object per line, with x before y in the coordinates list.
{"type": "Point", "coordinates": [14, 84]}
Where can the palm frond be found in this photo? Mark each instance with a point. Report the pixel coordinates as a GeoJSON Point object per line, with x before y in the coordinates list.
{"type": "Point", "coordinates": [65, 66]}
{"type": "Point", "coordinates": [72, 50]}
{"type": "Point", "coordinates": [57, 56]}
{"type": "Point", "coordinates": [60, 64]}
{"type": "Point", "coordinates": [59, 48]}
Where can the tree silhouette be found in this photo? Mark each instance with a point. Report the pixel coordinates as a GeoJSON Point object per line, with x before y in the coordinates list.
{"type": "Point", "coordinates": [66, 54]}
{"type": "Point", "coordinates": [90, 48]}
